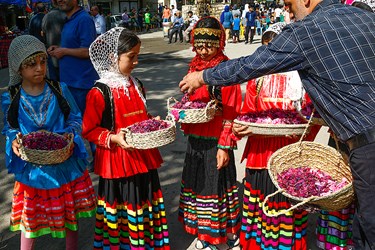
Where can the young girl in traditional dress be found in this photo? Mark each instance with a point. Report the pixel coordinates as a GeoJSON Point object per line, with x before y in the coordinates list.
{"type": "Point", "coordinates": [130, 212]}
{"type": "Point", "coordinates": [209, 204]}
{"type": "Point", "coordinates": [47, 199]}
{"type": "Point", "coordinates": [277, 91]}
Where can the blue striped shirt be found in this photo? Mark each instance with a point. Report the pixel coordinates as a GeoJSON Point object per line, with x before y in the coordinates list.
{"type": "Point", "coordinates": [333, 50]}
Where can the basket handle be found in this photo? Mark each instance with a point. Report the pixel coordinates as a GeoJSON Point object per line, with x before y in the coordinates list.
{"type": "Point", "coordinates": [307, 126]}
{"type": "Point", "coordinates": [209, 104]}
{"type": "Point", "coordinates": [128, 132]}
{"type": "Point", "coordinates": [282, 211]}
{"type": "Point", "coordinates": [169, 100]}
{"type": "Point", "coordinates": [171, 119]}
{"type": "Point", "coordinates": [19, 138]}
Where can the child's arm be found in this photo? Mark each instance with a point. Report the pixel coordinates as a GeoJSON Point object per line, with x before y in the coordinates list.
{"type": "Point", "coordinates": [12, 160]}
{"type": "Point", "coordinates": [91, 126]}
{"type": "Point", "coordinates": [231, 102]}
{"type": "Point", "coordinates": [92, 129]}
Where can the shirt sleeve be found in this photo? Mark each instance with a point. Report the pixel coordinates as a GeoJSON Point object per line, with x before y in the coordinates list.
{"type": "Point", "coordinates": [92, 118]}
{"type": "Point", "coordinates": [231, 101]}
{"type": "Point", "coordinates": [86, 31]}
{"type": "Point", "coordinates": [281, 55]}
{"type": "Point", "coordinates": [12, 162]}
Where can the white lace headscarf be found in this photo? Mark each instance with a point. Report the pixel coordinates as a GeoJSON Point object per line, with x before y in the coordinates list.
{"type": "Point", "coordinates": [104, 56]}
{"type": "Point", "coordinates": [20, 49]}
{"type": "Point", "coordinates": [294, 90]}
{"type": "Point", "coordinates": [277, 27]}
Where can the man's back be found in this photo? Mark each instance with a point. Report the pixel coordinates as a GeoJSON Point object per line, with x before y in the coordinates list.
{"type": "Point", "coordinates": [338, 44]}
{"type": "Point", "coordinates": [52, 25]}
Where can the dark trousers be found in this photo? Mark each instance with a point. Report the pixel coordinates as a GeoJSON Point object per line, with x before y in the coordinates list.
{"type": "Point", "coordinates": [176, 31]}
{"type": "Point", "coordinates": [251, 31]}
{"type": "Point", "coordinates": [362, 164]}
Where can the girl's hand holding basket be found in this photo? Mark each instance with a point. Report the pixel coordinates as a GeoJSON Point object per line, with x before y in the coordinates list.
{"type": "Point", "coordinates": [16, 145]}
{"type": "Point", "coordinates": [119, 139]}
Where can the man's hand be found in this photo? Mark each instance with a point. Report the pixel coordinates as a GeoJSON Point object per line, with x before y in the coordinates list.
{"type": "Point", "coordinates": [56, 51]}
{"type": "Point", "coordinates": [191, 82]}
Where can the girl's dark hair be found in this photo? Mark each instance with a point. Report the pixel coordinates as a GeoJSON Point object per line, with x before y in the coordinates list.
{"type": "Point", "coordinates": [268, 36]}
{"type": "Point", "coordinates": [127, 41]}
{"type": "Point", "coordinates": [363, 6]}
{"type": "Point", "coordinates": [208, 22]}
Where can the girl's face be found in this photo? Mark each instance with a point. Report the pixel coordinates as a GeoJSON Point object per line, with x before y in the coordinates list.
{"type": "Point", "coordinates": [33, 70]}
{"type": "Point", "coordinates": [127, 61]}
{"type": "Point", "coordinates": [206, 52]}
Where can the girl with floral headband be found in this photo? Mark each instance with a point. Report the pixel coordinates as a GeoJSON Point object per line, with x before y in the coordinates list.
{"type": "Point", "coordinates": [47, 199]}
{"type": "Point", "coordinates": [258, 231]}
{"type": "Point", "coordinates": [209, 203]}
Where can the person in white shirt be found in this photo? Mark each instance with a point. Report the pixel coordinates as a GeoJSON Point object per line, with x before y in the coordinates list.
{"type": "Point", "coordinates": [174, 10]}
{"type": "Point", "coordinates": [278, 12]}
{"type": "Point", "coordinates": [191, 19]}
{"type": "Point", "coordinates": [98, 20]}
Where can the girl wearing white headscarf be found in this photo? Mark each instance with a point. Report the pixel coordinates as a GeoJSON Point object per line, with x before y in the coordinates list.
{"type": "Point", "coordinates": [130, 212]}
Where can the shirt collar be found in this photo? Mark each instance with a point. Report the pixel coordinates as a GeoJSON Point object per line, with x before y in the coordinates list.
{"type": "Point", "coordinates": [326, 3]}
{"type": "Point", "coordinates": [75, 14]}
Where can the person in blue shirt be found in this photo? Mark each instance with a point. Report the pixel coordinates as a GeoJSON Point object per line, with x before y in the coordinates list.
{"type": "Point", "coordinates": [76, 69]}
{"type": "Point", "coordinates": [177, 26]}
{"type": "Point", "coordinates": [251, 16]}
{"type": "Point", "coordinates": [332, 46]}
{"type": "Point", "coordinates": [236, 28]}
{"type": "Point", "coordinates": [226, 19]}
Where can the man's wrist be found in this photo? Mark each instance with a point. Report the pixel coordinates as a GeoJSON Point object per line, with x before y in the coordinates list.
{"type": "Point", "coordinates": [201, 79]}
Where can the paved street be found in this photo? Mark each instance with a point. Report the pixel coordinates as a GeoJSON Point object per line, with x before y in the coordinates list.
{"type": "Point", "coordinates": [161, 67]}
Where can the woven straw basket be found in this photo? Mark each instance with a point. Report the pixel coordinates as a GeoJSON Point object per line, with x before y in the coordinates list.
{"type": "Point", "coordinates": [318, 156]}
{"type": "Point", "coordinates": [193, 115]}
{"type": "Point", "coordinates": [274, 129]}
{"type": "Point", "coordinates": [152, 139]}
{"type": "Point", "coordinates": [46, 157]}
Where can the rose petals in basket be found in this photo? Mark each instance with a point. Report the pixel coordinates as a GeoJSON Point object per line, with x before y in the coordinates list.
{"type": "Point", "coordinates": [151, 133]}
{"type": "Point", "coordinates": [316, 156]}
{"type": "Point", "coordinates": [45, 148]}
{"type": "Point", "coordinates": [188, 111]}
{"type": "Point", "coordinates": [275, 122]}
{"type": "Point", "coordinates": [304, 182]}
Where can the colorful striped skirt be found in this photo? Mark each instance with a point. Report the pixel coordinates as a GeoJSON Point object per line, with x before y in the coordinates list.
{"type": "Point", "coordinates": [38, 211]}
{"type": "Point", "coordinates": [259, 231]}
{"type": "Point", "coordinates": [334, 229]}
{"type": "Point", "coordinates": [131, 214]}
{"type": "Point", "coordinates": [209, 204]}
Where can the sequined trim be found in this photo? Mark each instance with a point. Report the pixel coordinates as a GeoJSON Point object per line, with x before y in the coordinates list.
{"type": "Point", "coordinates": [207, 31]}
